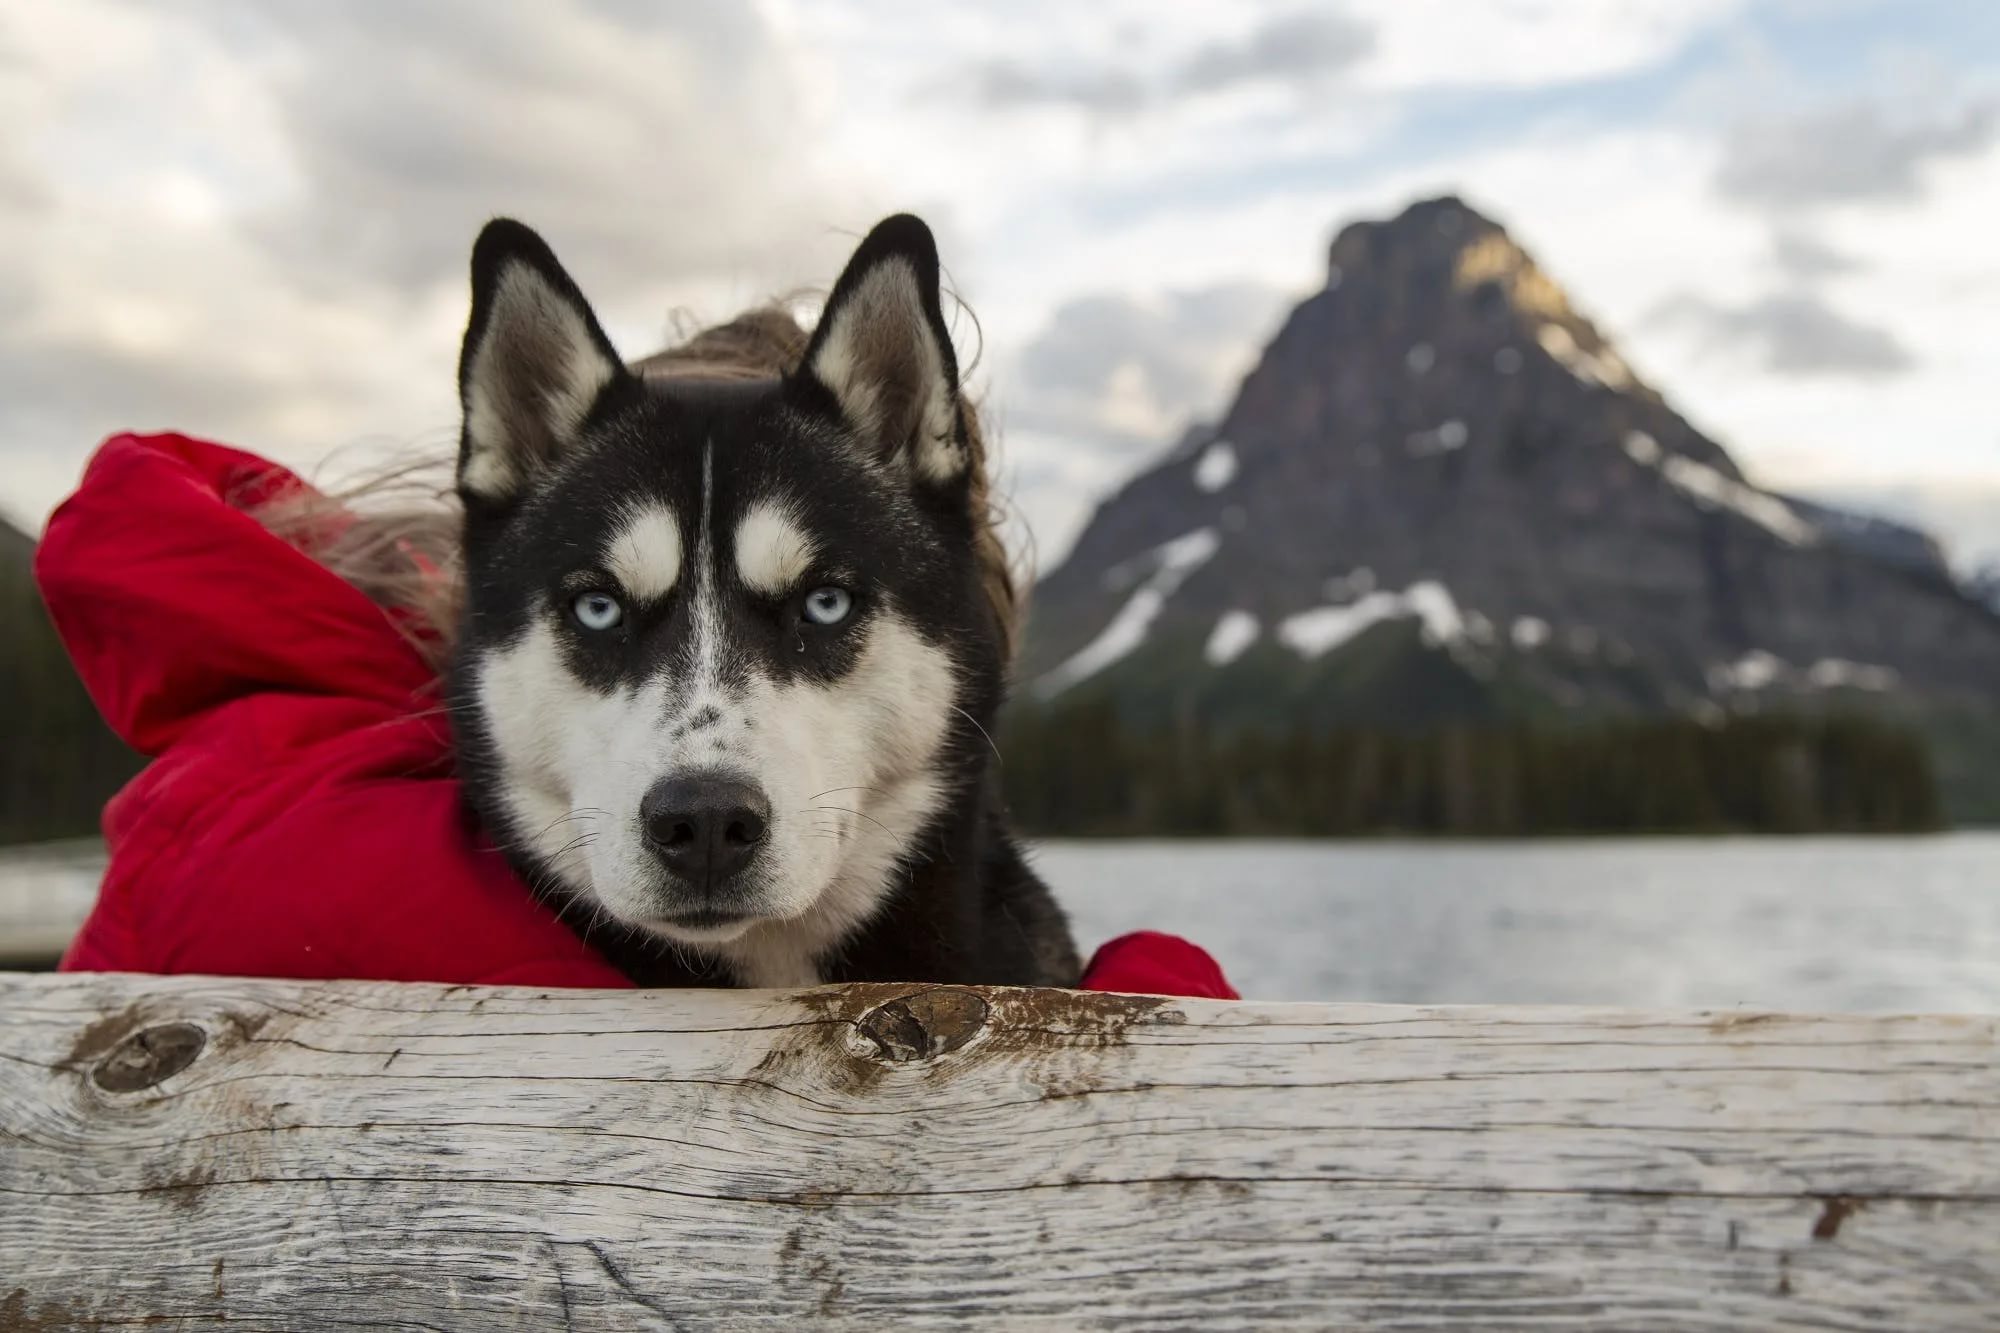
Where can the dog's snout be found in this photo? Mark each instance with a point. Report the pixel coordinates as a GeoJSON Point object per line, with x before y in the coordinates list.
{"type": "Point", "coordinates": [705, 827]}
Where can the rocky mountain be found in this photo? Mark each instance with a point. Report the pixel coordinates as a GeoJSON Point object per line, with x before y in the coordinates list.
{"type": "Point", "coordinates": [1441, 494]}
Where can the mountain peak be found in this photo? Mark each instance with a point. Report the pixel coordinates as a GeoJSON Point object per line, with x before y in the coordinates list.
{"type": "Point", "coordinates": [1437, 439]}
{"type": "Point", "coordinates": [1432, 231]}
{"type": "Point", "coordinates": [1452, 263]}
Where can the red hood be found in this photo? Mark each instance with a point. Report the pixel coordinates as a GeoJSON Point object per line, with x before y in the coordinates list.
{"type": "Point", "coordinates": [301, 817]}
{"type": "Point", "coordinates": [174, 601]}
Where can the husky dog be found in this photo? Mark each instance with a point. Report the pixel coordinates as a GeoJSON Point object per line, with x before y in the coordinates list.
{"type": "Point", "coordinates": [730, 650]}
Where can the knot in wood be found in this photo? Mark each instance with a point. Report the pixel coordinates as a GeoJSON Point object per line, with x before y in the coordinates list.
{"type": "Point", "coordinates": [925, 1025]}
{"type": "Point", "coordinates": [149, 1056]}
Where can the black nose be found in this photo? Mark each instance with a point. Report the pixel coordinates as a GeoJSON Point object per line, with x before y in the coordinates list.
{"type": "Point", "coordinates": [705, 827]}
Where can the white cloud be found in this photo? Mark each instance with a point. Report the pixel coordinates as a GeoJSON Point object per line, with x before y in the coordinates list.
{"type": "Point", "coordinates": [1857, 150]}
{"type": "Point", "coordinates": [1791, 332]}
{"type": "Point", "coordinates": [1133, 370]}
{"type": "Point", "coordinates": [1524, 43]}
{"type": "Point", "coordinates": [254, 224]}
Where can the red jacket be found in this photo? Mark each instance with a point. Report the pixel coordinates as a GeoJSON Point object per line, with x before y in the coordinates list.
{"type": "Point", "coordinates": [301, 817]}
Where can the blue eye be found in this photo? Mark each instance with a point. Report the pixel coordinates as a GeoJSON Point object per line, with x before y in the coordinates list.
{"type": "Point", "coordinates": [829, 605]}
{"type": "Point", "coordinates": [597, 610]}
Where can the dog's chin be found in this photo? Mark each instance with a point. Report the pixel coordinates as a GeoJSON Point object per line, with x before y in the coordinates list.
{"type": "Point", "coordinates": [699, 928]}
{"type": "Point", "coordinates": [661, 906]}
{"type": "Point", "coordinates": [681, 914]}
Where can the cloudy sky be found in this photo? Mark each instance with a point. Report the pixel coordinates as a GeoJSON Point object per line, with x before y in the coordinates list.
{"type": "Point", "coordinates": [250, 220]}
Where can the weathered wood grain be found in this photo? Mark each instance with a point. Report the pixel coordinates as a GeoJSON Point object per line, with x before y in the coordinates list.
{"type": "Point", "coordinates": [287, 1155]}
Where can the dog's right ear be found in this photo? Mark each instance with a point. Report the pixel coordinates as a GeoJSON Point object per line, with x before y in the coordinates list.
{"type": "Point", "coordinates": [533, 365]}
{"type": "Point", "coordinates": [882, 354]}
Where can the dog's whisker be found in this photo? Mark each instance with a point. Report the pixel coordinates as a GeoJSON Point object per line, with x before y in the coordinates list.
{"type": "Point", "coordinates": [831, 790]}
{"type": "Point", "coordinates": [982, 731]}
{"type": "Point", "coordinates": [858, 815]}
{"type": "Point", "coordinates": [584, 813]}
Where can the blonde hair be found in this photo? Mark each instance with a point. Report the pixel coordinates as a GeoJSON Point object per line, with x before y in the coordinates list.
{"type": "Point", "coordinates": [395, 534]}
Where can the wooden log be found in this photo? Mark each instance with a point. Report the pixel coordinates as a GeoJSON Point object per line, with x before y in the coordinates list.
{"type": "Point", "coordinates": [282, 1155]}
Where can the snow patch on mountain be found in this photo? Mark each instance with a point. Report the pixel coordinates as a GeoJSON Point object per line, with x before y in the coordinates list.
{"type": "Point", "coordinates": [1529, 632]}
{"type": "Point", "coordinates": [1831, 673]}
{"type": "Point", "coordinates": [1605, 368]}
{"type": "Point", "coordinates": [1234, 633]}
{"type": "Point", "coordinates": [1712, 490]}
{"type": "Point", "coordinates": [1760, 670]}
{"type": "Point", "coordinates": [1704, 483]}
{"type": "Point", "coordinates": [1642, 448]}
{"type": "Point", "coordinates": [1319, 631]}
{"type": "Point", "coordinates": [1170, 563]}
{"type": "Point", "coordinates": [1755, 670]}
{"type": "Point", "coordinates": [1451, 435]}
{"type": "Point", "coordinates": [1433, 604]}
{"type": "Point", "coordinates": [1216, 467]}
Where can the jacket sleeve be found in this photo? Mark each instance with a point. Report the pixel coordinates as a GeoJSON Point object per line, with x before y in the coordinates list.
{"type": "Point", "coordinates": [1147, 962]}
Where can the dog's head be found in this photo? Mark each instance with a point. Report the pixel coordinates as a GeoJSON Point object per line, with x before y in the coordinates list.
{"type": "Point", "coordinates": [725, 639]}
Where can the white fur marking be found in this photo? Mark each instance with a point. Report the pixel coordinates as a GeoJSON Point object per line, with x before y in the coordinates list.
{"type": "Point", "coordinates": [707, 613]}
{"type": "Point", "coordinates": [645, 555]}
{"type": "Point", "coordinates": [487, 470]}
{"type": "Point", "coordinates": [772, 551]}
{"type": "Point", "coordinates": [529, 703]}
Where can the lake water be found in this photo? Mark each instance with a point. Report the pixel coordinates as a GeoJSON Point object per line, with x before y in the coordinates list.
{"type": "Point", "coordinates": [1813, 924]}
{"type": "Point", "coordinates": [1829, 924]}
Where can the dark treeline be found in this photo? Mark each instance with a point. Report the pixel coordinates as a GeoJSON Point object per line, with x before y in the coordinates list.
{"type": "Point", "coordinates": [1079, 770]}
{"type": "Point", "coordinates": [58, 761]}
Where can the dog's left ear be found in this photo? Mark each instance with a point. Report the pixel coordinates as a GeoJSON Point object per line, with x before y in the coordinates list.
{"type": "Point", "coordinates": [535, 361]}
{"type": "Point", "coordinates": [883, 353]}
